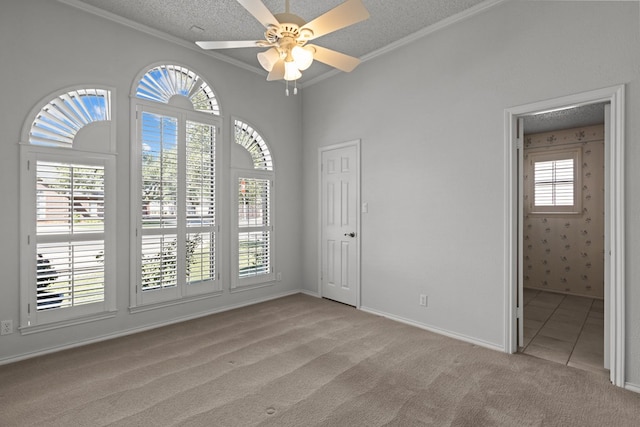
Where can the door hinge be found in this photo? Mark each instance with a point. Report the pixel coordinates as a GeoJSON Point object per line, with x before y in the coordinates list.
{"type": "Point", "coordinates": [28, 308]}
{"type": "Point", "coordinates": [519, 313]}
{"type": "Point", "coordinates": [28, 165]}
{"type": "Point", "coordinates": [519, 144]}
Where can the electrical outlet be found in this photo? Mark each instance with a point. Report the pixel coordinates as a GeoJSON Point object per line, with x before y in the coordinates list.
{"type": "Point", "coordinates": [6, 327]}
{"type": "Point", "coordinates": [279, 277]}
{"type": "Point", "coordinates": [423, 300]}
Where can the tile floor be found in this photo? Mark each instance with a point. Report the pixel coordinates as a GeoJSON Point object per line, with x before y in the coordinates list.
{"type": "Point", "coordinates": [564, 328]}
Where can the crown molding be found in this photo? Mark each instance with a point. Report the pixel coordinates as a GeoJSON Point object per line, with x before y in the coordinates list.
{"type": "Point", "coordinates": [451, 20]}
{"type": "Point", "coordinates": [447, 22]}
{"type": "Point", "coordinates": [159, 34]}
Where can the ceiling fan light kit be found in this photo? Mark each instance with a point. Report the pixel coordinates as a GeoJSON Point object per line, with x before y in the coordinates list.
{"type": "Point", "coordinates": [268, 58]}
{"type": "Point", "coordinates": [287, 35]}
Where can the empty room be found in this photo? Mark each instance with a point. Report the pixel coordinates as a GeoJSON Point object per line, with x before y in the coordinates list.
{"type": "Point", "coordinates": [296, 212]}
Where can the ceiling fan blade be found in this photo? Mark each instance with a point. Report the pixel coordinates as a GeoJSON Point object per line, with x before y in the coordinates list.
{"type": "Point", "coordinates": [335, 59]}
{"type": "Point", "coordinates": [277, 72]}
{"type": "Point", "coordinates": [348, 13]}
{"type": "Point", "coordinates": [228, 44]}
{"type": "Point", "coordinates": [260, 12]}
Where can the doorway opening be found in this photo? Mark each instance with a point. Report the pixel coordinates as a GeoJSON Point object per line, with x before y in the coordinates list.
{"type": "Point", "coordinates": [565, 263]}
{"type": "Point", "coordinates": [563, 236]}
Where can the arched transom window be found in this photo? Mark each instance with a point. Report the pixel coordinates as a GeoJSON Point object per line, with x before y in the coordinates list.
{"type": "Point", "coordinates": [59, 121]}
{"type": "Point", "coordinates": [164, 82]}
{"type": "Point", "coordinates": [246, 136]}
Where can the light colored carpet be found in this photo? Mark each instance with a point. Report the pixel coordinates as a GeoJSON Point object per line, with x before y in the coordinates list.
{"type": "Point", "coordinates": [302, 361]}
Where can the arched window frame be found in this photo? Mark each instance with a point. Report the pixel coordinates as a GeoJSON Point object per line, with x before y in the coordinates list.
{"type": "Point", "coordinates": [181, 105]}
{"type": "Point", "coordinates": [67, 155]}
{"type": "Point", "coordinates": [161, 82]}
{"type": "Point", "coordinates": [253, 218]}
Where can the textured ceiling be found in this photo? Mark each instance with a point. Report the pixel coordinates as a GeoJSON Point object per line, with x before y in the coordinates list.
{"type": "Point", "coordinates": [390, 21]}
{"type": "Point", "coordinates": [586, 115]}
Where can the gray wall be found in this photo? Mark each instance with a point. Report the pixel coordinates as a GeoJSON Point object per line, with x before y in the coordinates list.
{"type": "Point", "coordinates": [46, 46]}
{"type": "Point", "coordinates": [431, 119]}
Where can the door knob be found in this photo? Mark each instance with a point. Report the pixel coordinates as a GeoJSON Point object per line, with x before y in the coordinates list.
{"type": "Point", "coordinates": [352, 234]}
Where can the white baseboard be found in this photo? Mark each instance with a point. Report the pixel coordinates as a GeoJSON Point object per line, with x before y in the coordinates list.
{"type": "Point", "coordinates": [136, 330]}
{"type": "Point", "coordinates": [439, 331]}
{"type": "Point", "coordinates": [310, 293]}
{"type": "Point", "coordinates": [632, 387]}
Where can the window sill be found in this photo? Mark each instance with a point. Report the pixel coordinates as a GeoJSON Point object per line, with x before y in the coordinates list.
{"type": "Point", "coordinates": [242, 288]}
{"type": "Point", "coordinates": [27, 330]}
{"type": "Point", "coordinates": [171, 303]}
{"type": "Point", "coordinates": [554, 213]}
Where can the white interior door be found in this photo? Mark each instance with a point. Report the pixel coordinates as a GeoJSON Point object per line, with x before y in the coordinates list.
{"type": "Point", "coordinates": [339, 224]}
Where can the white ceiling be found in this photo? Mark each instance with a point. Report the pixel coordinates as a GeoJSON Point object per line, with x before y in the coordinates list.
{"type": "Point", "coordinates": [585, 115]}
{"type": "Point", "coordinates": [390, 21]}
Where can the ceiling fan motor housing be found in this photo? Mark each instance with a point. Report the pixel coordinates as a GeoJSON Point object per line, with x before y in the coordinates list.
{"type": "Point", "coordinates": [290, 26]}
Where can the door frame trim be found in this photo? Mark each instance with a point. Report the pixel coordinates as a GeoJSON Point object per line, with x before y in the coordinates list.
{"type": "Point", "coordinates": [352, 143]}
{"type": "Point", "coordinates": [615, 228]}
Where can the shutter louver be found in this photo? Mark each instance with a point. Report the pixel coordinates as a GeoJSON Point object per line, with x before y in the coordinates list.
{"type": "Point", "coordinates": [254, 223]}
{"type": "Point", "coordinates": [178, 203]}
{"type": "Point", "coordinates": [201, 178]}
{"type": "Point", "coordinates": [159, 171]}
{"type": "Point", "coordinates": [162, 83]}
{"type": "Point", "coordinates": [70, 234]}
{"type": "Point", "coordinates": [200, 203]}
{"type": "Point", "coordinates": [554, 183]}
{"type": "Point", "coordinates": [159, 261]}
{"type": "Point", "coordinates": [60, 120]}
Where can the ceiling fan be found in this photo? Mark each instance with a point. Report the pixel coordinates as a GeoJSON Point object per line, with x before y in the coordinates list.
{"type": "Point", "coordinates": [287, 35]}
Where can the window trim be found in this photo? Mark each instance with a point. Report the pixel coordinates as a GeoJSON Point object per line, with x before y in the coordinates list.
{"type": "Point", "coordinates": [238, 283]}
{"type": "Point", "coordinates": [104, 151]}
{"type": "Point", "coordinates": [111, 146]}
{"type": "Point", "coordinates": [31, 320]}
{"type": "Point", "coordinates": [215, 109]}
{"type": "Point", "coordinates": [261, 166]}
{"type": "Point", "coordinates": [546, 155]}
{"type": "Point", "coordinates": [183, 292]}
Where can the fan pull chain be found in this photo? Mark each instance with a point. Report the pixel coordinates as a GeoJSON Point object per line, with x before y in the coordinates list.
{"type": "Point", "coordinates": [295, 87]}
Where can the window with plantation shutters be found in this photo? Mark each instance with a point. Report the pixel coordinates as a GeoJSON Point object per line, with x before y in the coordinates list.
{"type": "Point", "coordinates": [253, 196]}
{"type": "Point", "coordinates": [67, 207]}
{"type": "Point", "coordinates": [176, 227]}
{"type": "Point", "coordinates": [254, 224]}
{"type": "Point", "coordinates": [554, 181]}
{"type": "Point", "coordinates": [70, 234]}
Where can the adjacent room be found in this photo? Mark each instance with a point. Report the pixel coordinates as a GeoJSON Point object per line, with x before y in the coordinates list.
{"type": "Point", "coordinates": [293, 212]}
{"type": "Point", "coordinates": [563, 236]}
